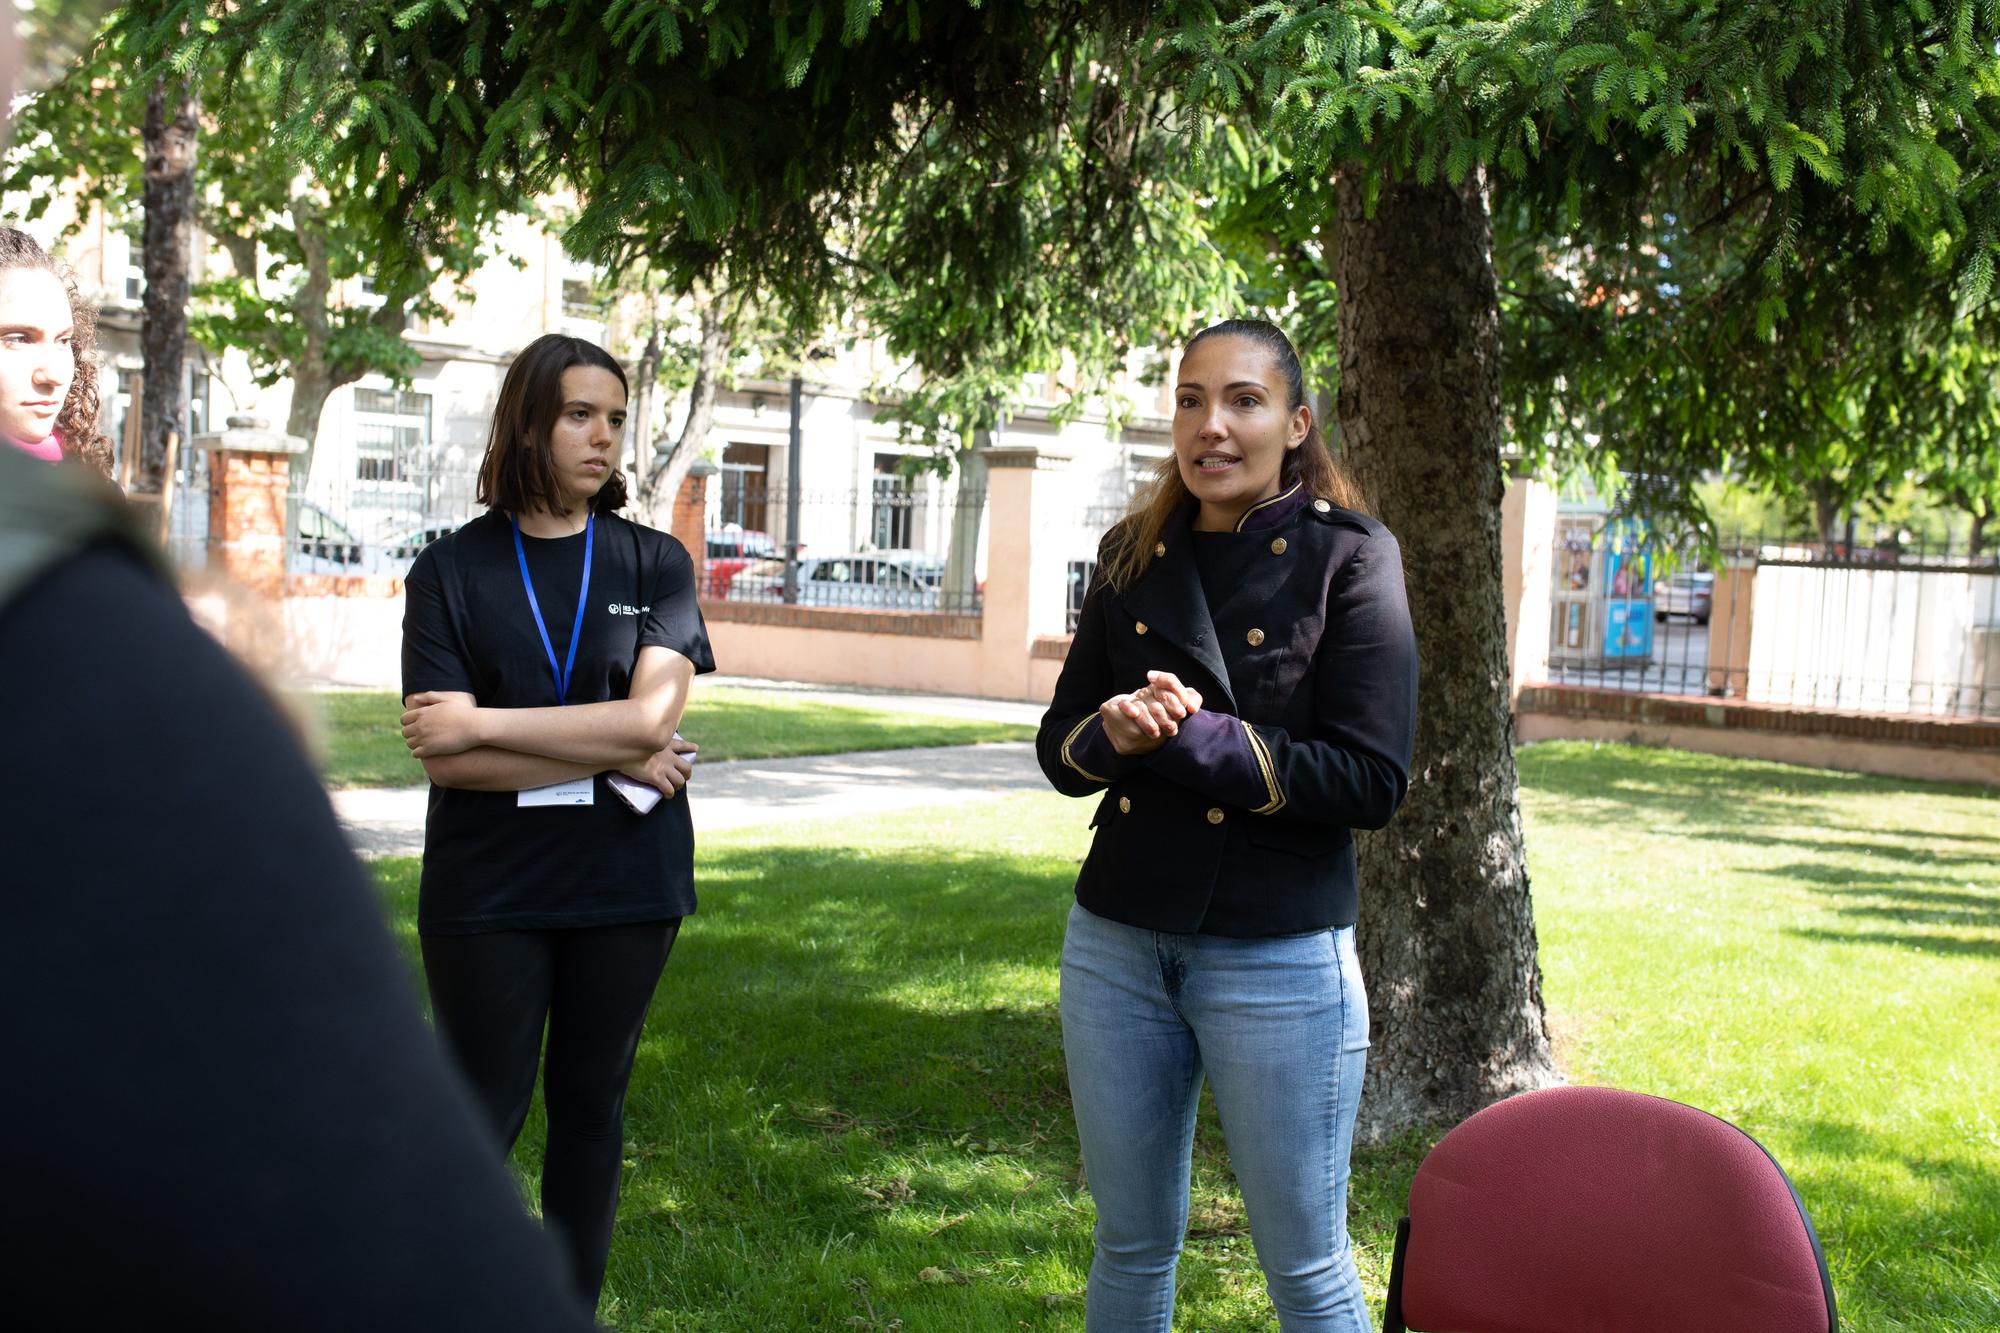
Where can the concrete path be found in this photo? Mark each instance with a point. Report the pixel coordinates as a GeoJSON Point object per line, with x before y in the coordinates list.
{"type": "Point", "coordinates": [903, 701]}
{"type": "Point", "coordinates": [749, 792]}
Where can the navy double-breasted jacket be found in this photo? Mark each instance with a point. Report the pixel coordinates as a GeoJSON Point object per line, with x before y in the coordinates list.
{"type": "Point", "coordinates": [1241, 825]}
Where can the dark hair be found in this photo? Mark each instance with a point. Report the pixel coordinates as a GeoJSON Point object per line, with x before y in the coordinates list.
{"type": "Point", "coordinates": [1155, 503]}
{"type": "Point", "coordinates": [518, 472]}
{"type": "Point", "coordinates": [76, 423]}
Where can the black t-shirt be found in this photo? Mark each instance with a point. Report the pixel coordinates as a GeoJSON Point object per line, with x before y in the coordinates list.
{"type": "Point", "coordinates": [490, 864]}
{"type": "Point", "coordinates": [223, 1110]}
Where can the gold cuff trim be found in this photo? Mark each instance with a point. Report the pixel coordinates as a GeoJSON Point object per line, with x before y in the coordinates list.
{"type": "Point", "coordinates": [1070, 739]}
{"type": "Point", "coordinates": [1262, 504]}
{"type": "Point", "coordinates": [1269, 770]}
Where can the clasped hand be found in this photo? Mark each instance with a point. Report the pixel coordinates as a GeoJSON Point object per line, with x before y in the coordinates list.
{"type": "Point", "coordinates": [437, 724]}
{"type": "Point", "coordinates": [1147, 718]}
{"type": "Point", "coordinates": [668, 770]}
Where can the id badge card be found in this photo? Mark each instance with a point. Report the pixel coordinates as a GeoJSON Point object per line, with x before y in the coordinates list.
{"type": "Point", "coordinates": [577, 791]}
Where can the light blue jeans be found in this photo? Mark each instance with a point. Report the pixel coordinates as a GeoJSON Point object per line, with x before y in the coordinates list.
{"type": "Point", "coordinates": [1280, 1028]}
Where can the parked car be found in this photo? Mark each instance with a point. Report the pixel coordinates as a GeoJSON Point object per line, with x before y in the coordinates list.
{"type": "Point", "coordinates": [731, 550]}
{"type": "Point", "coordinates": [888, 580]}
{"type": "Point", "coordinates": [323, 544]}
{"type": "Point", "coordinates": [400, 552]}
{"type": "Point", "coordinates": [1691, 595]}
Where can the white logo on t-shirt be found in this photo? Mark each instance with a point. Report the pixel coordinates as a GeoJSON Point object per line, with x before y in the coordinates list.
{"type": "Point", "coordinates": [625, 609]}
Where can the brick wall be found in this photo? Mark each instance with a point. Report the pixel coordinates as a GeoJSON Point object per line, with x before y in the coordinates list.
{"type": "Point", "coordinates": [926, 624]}
{"type": "Point", "coordinates": [1951, 749]}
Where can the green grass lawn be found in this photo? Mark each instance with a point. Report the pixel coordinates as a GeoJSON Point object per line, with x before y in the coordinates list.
{"type": "Point", "coordinates": [362, 744]}
{"type": "Point", "coordinates": [849, 1106]}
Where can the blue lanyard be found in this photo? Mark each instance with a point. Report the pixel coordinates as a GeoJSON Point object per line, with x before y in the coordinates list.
{"type": "Point", "coordinates": [562, 673]}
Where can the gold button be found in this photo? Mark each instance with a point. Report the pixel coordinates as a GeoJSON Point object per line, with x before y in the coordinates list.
{"type": "Point", "coordinates": [1278, 546]}
{"type": "Point", "coordinates": [1215, 814]}
{"type": "Point", "coordinates": [1256, 636]}
{"type": "Point", "coordinates": [1159, 548]}
{"type": "Point", "coordinates": [1124, 805]}
{"type": "Point", "coordinates": [1140, 627]}
{"type": "Point", "coordinates": [1323, 506]}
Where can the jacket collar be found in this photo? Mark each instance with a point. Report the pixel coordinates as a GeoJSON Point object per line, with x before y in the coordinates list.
{"type": "Point", "coordinates": [1275, 511]}
{"type": "Point", "coordinates": [1169, 599]}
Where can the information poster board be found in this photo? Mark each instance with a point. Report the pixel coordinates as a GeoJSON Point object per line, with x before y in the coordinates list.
{"type": "Point", "coordinates": [1628, 612]}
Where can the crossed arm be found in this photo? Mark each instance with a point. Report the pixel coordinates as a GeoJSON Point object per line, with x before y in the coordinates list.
{"type": "Point", "coordinates": [505, 749]}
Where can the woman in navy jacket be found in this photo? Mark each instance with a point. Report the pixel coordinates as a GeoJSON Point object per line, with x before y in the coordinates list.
{"type": "Point", "coordinates": [1241, 694]}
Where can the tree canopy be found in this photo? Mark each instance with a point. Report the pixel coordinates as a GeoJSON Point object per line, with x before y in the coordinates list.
{"type": "Point", "coordinates": [293, 237]}
{"type": "Point", "coordinates": [1719, 235]}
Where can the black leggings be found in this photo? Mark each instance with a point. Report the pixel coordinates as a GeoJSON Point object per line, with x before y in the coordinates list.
{"type": "Point", "coordinates": [492, 995]}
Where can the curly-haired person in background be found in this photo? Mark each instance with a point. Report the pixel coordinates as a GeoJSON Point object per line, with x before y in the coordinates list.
{"type": "Point", "coordinates": [48, 367]}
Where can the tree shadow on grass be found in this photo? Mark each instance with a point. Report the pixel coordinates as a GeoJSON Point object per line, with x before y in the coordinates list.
{"type": "Point", "coordinates": [879, 1036]}
{"type": "Point", "coordinates": [1930, 1263]}
{"type": "Point", "coordinates": [851, 1102]}
{"type": "Point", "coordinates": [1922, 943]}
{"type": "Point", "coordinates": [1902, 898]}
{"type": "Point", "coordinates": [1923, 855]}
{"type": "Point", "coordinates": [1984, 907]}
{"type": "Point", "coordinates": [1822, 874]}
{"type": "Point", "coordinates": [1729, 793]}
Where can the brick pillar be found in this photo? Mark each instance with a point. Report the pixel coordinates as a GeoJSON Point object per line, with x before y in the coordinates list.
{"type": "Point", "coordinates": [246, 516]}
{"type": "Point", "coordinates": [690, 518]}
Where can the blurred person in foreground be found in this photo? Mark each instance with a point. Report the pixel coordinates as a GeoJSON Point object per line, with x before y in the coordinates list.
{"type": "Point", "coordinates": [222, 1109]}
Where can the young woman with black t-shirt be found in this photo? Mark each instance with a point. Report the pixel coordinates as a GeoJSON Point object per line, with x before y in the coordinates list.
{"type": "Point", "coordinates": [548, 645]}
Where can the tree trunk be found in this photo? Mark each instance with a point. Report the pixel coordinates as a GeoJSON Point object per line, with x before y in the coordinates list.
{"type": "Point", "coordinates": [1447, 933]}
{"type": "Point", "coordinates": [645, 389]}
{"type": "Point", "coordinates": [1975, 537]}
{"type": "Point", "coordinates": [313, 379]}
{"type": "Point", "coordinates": [167, 249]}
{"type": "Point", "coordinates": [312, 385]}
{"type": "Point", "coordinates": [656, 499]}
{"type": "Point", "coordinates": [1826, 518]}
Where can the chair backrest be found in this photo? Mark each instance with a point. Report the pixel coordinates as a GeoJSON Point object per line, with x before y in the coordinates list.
{"type": "Point", "coordinates": [1590, 1210]}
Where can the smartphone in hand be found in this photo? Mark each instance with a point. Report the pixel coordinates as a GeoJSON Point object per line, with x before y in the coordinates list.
{"type": "Point", "coordinates": [641, 796]}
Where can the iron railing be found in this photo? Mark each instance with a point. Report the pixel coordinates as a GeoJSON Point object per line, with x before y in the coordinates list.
{"type": "Point", "coordinates": [903, 547]}
{"type": "Point", "coordinates": [1908, 628]}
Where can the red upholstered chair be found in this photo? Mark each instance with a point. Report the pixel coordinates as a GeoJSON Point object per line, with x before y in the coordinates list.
{"type": "Point", "coordinates": [1590, 1210]}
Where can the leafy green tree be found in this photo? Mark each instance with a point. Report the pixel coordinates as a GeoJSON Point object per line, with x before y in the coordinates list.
{"type": "Point", "coordinates": [930, 155]}
{"type": "Point", "coordinates": [1790, 119]}
{"type": "Point", "coordinates": [295, 239]}
{"type": "Point", "coordinates": [1958, 420]}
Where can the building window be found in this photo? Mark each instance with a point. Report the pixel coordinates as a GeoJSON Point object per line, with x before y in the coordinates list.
{"type": "Point", "coordinates": [1080, 573]}
{"type": "Point", "coordinates": [579, 298]}
{"type": "Point", "coordinates": [744, 470]}
{"type": "Point", "coordinates": [392, 433]}
{"type": "Point", "coordinates": [890, 529]}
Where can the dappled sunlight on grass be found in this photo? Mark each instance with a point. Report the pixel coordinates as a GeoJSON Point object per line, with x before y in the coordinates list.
{"type": "Point", "coordinates": [850, 1101]}
{"type": "Point", "coordinates": [1815, 956]}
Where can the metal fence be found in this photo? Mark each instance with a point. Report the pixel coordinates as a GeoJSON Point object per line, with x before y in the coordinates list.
{"type": "Point", "coordinates": [187, 520]}
{"type": "Point", "coordinates": [1899, 628]}
{"type": "Point", "coordinates": [911, 546]}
